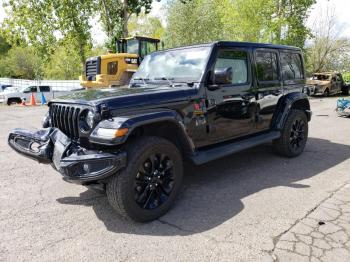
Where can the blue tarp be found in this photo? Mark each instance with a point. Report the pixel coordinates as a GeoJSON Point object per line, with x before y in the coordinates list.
{"type": "Point", "coordinates": [343, 107]}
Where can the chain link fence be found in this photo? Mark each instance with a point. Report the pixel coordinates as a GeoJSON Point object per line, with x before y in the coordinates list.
{"type": "Point", "coordinates": [57, 85]}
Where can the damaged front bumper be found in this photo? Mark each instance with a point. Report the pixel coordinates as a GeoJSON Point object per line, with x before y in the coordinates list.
{"type": "Point", "coordinates": [75, 163]}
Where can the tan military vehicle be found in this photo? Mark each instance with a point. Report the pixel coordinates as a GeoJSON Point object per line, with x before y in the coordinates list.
{"type": "Point", "coordinates": [327, 84]}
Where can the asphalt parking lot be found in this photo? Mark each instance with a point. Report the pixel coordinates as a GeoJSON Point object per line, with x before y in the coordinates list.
{"type": "Point", "coordinates": [232, 209]}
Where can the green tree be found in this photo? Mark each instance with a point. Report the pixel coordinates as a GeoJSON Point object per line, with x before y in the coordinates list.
{"type": "Point", "coordinates": [30, 22]}
{"type": "Point", "coordinates": [73, 23]}
{"type": "Point", "coordinates": [146, 26]}
{"type": "Point", "coordinates": [288, 22]}
{"type": "Point", "coordinates": [277, 21]}
{"type": "Point", "coordinates": [64, 63]}
{"type": "Point", "coordinates": [239, 23]}
{"type": "Point", "coordinates": [22, 62]}
{"type": "Point", "coordinates": [115, 15]}
{"type": "Point", "coordinates": [42, 23]}
{"type": "Point", "coordinates": [193, 22]}
{"type": "Point", "coordinates": [4, 46]}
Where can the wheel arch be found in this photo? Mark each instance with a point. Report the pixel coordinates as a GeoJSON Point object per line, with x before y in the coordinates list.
{"type": "Point", "coordinates": [165, 123]}
{"type": "Point", "coordinates": [288, 102]}
{"type": "Point", "coordinates": [168, 129]}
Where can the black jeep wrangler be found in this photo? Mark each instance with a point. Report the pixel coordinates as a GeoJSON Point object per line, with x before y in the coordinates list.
{"type": "Point", "coordinates": [198, 103]}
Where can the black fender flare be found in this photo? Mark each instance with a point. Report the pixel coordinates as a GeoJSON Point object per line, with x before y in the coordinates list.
{"type": "Point", "coordinates": [295, 100]}
{"type": "Point", "coordinates": [133, 121]}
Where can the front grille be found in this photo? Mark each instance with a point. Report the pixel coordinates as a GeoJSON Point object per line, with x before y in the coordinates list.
{"type": "Point", "coordinates": [92, 68]}
{"type": "Point", "coordinates": [66, 119]}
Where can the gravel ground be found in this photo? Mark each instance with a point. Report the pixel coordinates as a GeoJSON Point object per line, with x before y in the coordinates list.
{"type": "Point", "coordinates": [232, 209]}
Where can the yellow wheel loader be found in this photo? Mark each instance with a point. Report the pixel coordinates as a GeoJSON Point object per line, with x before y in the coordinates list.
{"type": "Point", "coordinates": [112, 70]}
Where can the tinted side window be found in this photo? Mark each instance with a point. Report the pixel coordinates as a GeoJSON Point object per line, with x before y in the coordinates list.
{"type": "Point", "coordinates": [292, 67]}
{"type": "Point", "coordinates": [44, 89]}
{"type": "Point", "coordinates": [112, 68]}
{"type": "Point", "coordinates": [266, 66]}
{"type": "Point", "coordinates": [30, 89]}
{"type": "Point", "coordinates": [238, 60]}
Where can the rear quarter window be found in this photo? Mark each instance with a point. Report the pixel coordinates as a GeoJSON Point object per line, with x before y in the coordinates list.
{"type": "Point", "coordinates": [266, 65]}
{"type": "Point", "coordinates": [292, 66]}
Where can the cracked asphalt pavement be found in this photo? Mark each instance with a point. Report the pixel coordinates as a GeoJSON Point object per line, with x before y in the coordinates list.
{"type": "Point", "coordinates": [322, 235]}
{"type": "Point", "coordinates": [251, 206]}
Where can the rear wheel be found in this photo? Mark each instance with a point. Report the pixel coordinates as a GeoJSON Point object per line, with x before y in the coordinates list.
{"type": "Point", "coordinates": [345, 90]}
{"type": "Point", "coordinates": [294, 135]}
{"type": "Point", "coordinates": [148, 186]}
{"type": "Point", "coordinates": [326, 92]}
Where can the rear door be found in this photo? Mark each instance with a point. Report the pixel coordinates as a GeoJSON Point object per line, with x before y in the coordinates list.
{"type": "Point", "coordinates": [269, 86]}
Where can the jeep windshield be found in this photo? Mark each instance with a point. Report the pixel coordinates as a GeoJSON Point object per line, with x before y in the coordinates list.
{"type": "Point", "coordinates": [173, 66]}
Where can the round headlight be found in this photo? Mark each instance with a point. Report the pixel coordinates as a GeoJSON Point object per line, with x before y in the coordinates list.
{"type": "Point", "coordinates": [89, 119]}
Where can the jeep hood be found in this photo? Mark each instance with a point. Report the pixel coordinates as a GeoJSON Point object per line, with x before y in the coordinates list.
{"type": "Point", "coordinates": [127, 97]}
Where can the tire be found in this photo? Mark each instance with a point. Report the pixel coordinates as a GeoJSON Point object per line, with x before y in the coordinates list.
{"type": "Point", "coordinates": [11, 101]}
{"type": "Point", "coordinates": [147, 195]}
{"type": "Point", "coordinates": [326, 93]}
{"type": "Point", "coordinates": [345, 90]}
{"type": "Point", "coordinates": [294, 135]}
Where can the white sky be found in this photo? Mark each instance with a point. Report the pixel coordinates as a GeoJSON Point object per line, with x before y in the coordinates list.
{"type": "Point", "coordinates": [341, 9]}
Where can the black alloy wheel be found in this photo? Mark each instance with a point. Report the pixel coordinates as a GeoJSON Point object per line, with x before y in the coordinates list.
{"type": "Point", "coordinates": [297, 134]}
{"type": "Point", "coordinates": [154, 181]}
{"type": "Point", "coordinates": [147, 187]}
{"type": "Point", "coordinates": [293, 135]}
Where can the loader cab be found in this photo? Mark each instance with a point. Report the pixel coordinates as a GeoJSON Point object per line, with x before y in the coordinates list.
{"type": "Point", "coordinates": [138, 45]}
{"type": "Point", "coordinates": [116, 69]}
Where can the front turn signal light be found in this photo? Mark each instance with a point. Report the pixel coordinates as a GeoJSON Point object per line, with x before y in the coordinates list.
{"type": "Point", "coordinates": [121, 132]}
{"type": "Point", "coordinates": [111, 133]}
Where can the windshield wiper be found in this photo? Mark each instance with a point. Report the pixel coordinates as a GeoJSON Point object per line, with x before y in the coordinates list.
{"type": "Point", "coordinates": [169, 79]}
{"type": "Point", "coordinates": [143, 79]}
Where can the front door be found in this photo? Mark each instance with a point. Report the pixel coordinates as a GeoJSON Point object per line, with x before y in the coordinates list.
{"type": "Point", "coordinates": [231, 107]}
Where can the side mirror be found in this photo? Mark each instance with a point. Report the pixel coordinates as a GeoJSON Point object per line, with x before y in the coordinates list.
{"type": "Point", "coordinates": [222, 76]}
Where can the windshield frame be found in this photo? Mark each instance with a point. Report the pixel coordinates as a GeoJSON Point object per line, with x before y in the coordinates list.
{"type": "Point", "coordinates": [175, 80]}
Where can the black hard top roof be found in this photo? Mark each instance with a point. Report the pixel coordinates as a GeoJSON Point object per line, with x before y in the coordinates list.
{"type": "Point", "coordinates": [242, 44]}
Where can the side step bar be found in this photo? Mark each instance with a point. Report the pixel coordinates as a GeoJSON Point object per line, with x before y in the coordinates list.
{"type": "Point", "coordinates": [201, 157]}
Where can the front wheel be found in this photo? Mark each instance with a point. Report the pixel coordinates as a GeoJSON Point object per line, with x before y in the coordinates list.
{"type": "Point", "coordinates": [294, 135]}
{"type": "Point", "coordinates": [11, 101]}
{"type": "Point", "coordinates": [148, 186]}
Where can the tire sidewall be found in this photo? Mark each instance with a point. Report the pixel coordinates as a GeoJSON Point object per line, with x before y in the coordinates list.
{"type": "Point", "coordinates": [135, 161]}
{"type": "Point", "coordinates": [295, 115]}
